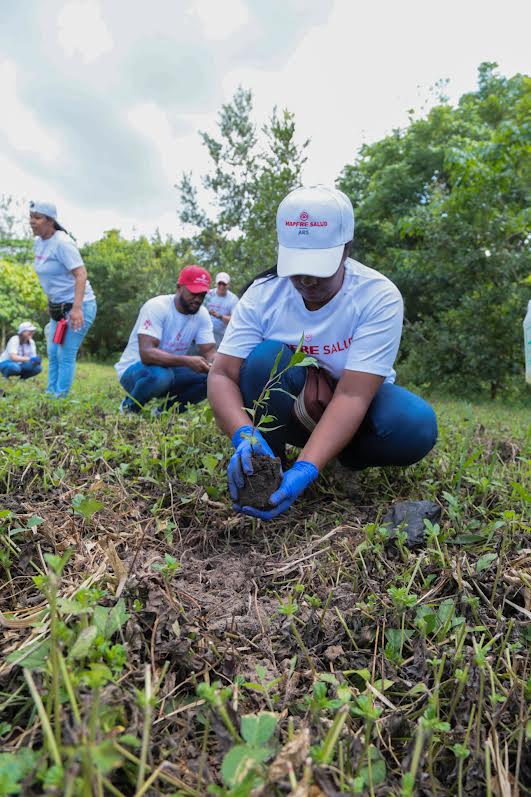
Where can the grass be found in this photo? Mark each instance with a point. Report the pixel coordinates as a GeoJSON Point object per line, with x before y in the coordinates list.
{"type": "Point", "coordinates": [156, 643]}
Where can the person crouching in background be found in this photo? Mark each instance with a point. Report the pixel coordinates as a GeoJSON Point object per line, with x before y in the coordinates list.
{"type": "Point", "coordinates": [20, 356]}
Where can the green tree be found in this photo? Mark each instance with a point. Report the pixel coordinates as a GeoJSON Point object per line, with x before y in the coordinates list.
{"type": "Point", "coordinates": [21, 298]}
{"type": "Point", "coordinates": [442, 208]}
{"type": "Point", "coordinates": [249, 177]}
{"type": "Point", "coordinates": [125, 274]}
{"type": "Point", "coordinates": [15, 236]}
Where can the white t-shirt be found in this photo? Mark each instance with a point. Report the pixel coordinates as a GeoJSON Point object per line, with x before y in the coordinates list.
{"type": "Point", "coordinates": [224, 305]}
{"type": "Point", "coordinates": [55, 258]}
{"type": "Point", "coordinates": [359, 329]}
{"type": "Point", "coordinates": [160, 319]}
{"type": "Point", "coordinates": [14, 346]}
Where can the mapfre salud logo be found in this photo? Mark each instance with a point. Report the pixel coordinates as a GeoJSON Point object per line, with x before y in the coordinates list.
{"type": "Point", "coordinates": [303, 221]}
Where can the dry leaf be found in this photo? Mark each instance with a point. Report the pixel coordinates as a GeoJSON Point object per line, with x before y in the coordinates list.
{"type": "Point", "coordinates": [293, 755]}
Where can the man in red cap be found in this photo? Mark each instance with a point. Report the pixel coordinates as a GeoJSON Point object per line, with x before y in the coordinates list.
{"type": "Point", "coordinates": [156, 362]}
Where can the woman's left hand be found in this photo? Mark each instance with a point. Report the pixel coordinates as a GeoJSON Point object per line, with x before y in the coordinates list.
{"type": "Point", "coordinates": [75, 319]}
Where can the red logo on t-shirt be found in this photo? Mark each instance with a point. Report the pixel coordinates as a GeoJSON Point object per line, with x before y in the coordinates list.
{"type": "Point", "coordinates": [147, 324]}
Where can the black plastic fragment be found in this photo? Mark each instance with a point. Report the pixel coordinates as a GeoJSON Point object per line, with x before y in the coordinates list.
{"type": "Point", "coordinates": [410, 515]}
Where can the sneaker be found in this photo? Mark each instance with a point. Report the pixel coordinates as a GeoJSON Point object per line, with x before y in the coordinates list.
{"type": "Point", "coordinates": [125, 408]}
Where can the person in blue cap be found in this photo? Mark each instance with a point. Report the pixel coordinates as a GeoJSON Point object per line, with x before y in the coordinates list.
{"type": "Point", "coordinates": [63, 278]}
{"type": "Point", "coordinates": [20, 356]}
{"type": "Point", "coordinates": [349, 318]}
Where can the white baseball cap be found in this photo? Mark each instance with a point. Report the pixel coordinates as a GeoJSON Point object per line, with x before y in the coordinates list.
{"type": "Point", "coordinates": [223, 277]}
{"type": "Point", "coordinates": [45, 208]}
{"type": "Point", "coordinates": [313, 226]}
{"type": "Point", "coordinates": [26, 326]}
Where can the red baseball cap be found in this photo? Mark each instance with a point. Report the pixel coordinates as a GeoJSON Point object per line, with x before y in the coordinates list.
{"type": "Point", "coordinates": [195, 278]}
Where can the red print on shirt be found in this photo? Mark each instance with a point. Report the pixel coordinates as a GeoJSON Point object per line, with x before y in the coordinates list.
{"type": "Point", "coordinates": [147, 324]}
{"type": "Point", "coordinates": [327, 348]}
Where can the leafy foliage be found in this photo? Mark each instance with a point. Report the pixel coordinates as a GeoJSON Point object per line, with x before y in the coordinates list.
{"type": "Point", "coordinates": [125, 274]}
{"type": "Point", "coordinates": [442, 209]}
{"type": "Point", "coordinates": [21, 297]}
{"type": "Point", "coordinates": [249, 177]}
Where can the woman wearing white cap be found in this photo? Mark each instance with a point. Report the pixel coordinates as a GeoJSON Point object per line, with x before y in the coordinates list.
{"type": "Point", "coordinates": [20, 356]}
{"type": "Point", "coordinates": [350, 317]}
{"type": "Point", "coordinates": [220, 303]}
{"type": "Point", "coordinates": [63, 278]}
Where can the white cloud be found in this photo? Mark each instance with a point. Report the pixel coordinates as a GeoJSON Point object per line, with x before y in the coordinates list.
{"type": "Point", "coordinates": [81, 30]}
{"type": "Point", "coordinates": [19, 125]}
{"type": "Point", "coordinates": [116, 135]}
{"type": "Point", "coordinates": [220, 18]}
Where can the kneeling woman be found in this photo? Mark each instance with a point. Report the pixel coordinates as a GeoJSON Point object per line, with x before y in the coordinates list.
{"type": "Point", "coordinates": [20, 357]}
{"type": "Point", "coordinates": [351, 320]}
{"type": "Point", "coordinates": [63, 278]}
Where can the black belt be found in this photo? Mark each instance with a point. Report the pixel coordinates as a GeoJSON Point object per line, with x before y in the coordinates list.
{"type": "Point", "coordinates": [58, 310]}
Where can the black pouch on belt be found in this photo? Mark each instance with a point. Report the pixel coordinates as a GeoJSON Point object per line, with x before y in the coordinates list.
{"type": "Point", "coordinates": [58, 310]}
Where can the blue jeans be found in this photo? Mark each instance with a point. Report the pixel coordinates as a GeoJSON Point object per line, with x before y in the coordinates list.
{"type": "Point", "coordinates": [62, 356]}
{"type": "Point", "coordinates": [24, 370]}
{"type": "Point", "coordinates": [179, 384]}
{"type": "Point", "coordinates": [399, 428]}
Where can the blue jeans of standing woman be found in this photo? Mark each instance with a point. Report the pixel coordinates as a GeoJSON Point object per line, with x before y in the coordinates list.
{"type": "Point", "coordinates": [399, 428]}
{"type": "Point", "coordinates": [62, 356]}
{"type": "Point", "coordinates": [25, 370]}
{"type": "Point", "coordinates": [144, 382]}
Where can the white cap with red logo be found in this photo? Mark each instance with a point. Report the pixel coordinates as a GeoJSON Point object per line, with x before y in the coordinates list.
{"type": "Point", "coordinates": [313, 226]}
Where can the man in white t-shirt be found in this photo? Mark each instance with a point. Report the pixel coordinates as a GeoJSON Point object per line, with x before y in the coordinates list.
{"type": "Point", "coordinates": [220, 302]}
{"type": "Point", "coordinates": [349, 318]}
{"type": "Point", "coordinates": [20, 355]}
{"type": "Point", "coordinates": [155, 361]}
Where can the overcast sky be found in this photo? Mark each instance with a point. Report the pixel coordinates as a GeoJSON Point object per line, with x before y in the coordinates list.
{"type": "Point", "coordinates": [101, 100]}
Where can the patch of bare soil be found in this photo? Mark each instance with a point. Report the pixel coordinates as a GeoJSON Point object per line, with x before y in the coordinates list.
{"type": "Point", "coordinates": [262, 483]}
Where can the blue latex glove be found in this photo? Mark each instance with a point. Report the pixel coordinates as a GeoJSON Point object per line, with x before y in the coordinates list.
{"type": "Point", "coordinates": [294, 482]}
{"type": "Point", "coordinates": [240, 462]}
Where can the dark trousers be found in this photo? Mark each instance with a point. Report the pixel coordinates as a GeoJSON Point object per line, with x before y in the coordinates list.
{"type": "Point", "coordinates": [399, 428]}
{"type": "Point", "coordinates": [24, 370]}
{"type": "Point", "coordinates": [144, 382]}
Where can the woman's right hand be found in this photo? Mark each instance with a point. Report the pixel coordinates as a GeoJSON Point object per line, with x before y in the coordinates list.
{"type": "Point", "coordinates": [240, 463]}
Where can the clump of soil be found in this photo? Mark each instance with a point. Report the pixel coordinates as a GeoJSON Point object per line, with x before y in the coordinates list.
{"type": "Point", "coordinates": [262, 483]}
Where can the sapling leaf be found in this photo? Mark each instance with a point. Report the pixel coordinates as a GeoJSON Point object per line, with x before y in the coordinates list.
{"type": "Point", "coordinates": [257, 729]}
{"type": "Point", "coordinates": [210, 463]}
{"type": "Point", "coordinates": [485, 561]}
{"type": "Point", "coordinates": [105, 756]}
{"type": "Point", "coordinates": [14, 767]}
{"type": "Point", "coordinates": [267, 419]}
{"type": "Point", "coordinates": [83, 643]}
{"type": "Point", "coordinates": [108, 621]}
{"type": "Point", "coordinates": [87, 506]}
{"type": "Point", "coordinates": [281, 390]}
{"type": "Point", "coordinates": [300, 358]}
{"type": "Point", "coordinates": [241, 760]}
{"type": "Point", "coordinates": [33, 657]}
{"type": "Point", "coordinates": [274, 369]}
{"type": "Point", "coordinates": [378, 768]}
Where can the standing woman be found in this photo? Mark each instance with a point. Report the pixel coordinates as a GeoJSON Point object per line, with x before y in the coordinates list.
{"type": "Point", "coordinates": [63, 278]}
